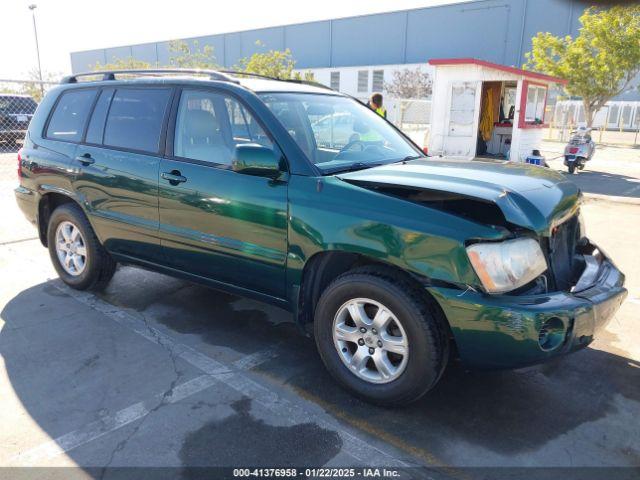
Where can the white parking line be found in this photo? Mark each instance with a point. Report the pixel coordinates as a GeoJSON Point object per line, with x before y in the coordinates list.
{"type": "Point", "coordinates": [250, 361]}
{"type": "Point", "coordinates": [121, 418]}
{"type": "Point", "coordinates": [230, 375]}
{"type": "Point", "coordinates": [104, 426]}
{"type": "Point", "coordinates": [20, 240]}
{"type": "Point", "coordinates": [294, 413]}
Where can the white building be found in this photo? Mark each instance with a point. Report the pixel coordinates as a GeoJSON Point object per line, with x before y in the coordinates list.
{"type": "Point", "coordinates": [360, 82]}
{"type": "Point", "coordinates": [615, 115]}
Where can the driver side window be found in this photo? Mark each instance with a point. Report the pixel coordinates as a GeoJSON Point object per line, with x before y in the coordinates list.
{"type": "Point", "coordinates": [210, 125]}
{"type": "Point", "coordinates": [244, 127]}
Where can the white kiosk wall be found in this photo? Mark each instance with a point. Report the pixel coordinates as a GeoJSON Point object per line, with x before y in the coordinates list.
{"type": "Point", "coordinates": [456, 104]}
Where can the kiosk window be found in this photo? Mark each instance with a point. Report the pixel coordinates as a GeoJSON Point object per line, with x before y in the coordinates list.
{"type": "Point", "coordinates": [536, 100]}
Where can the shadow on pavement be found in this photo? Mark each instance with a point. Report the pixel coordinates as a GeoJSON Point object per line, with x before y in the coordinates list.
{"type": "Point", "coordinates": [603, 183]}
{"type": "Point", "coordinates": [506, 412]}
{"type": "Point", "coordinates": [226, 442]}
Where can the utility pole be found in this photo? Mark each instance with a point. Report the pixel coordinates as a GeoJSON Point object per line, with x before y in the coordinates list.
{"type": "Point", "coordinates": [33, 7]}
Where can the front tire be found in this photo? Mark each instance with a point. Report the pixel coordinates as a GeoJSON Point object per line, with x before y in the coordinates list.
{"type": "Point", "coordinates": [395, 363]}
{"type": "Point", "coordinates": [77, 255]}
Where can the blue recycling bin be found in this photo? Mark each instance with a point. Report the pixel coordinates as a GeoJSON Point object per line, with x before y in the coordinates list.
{"type": "Point", "coordinates": [535, 160]}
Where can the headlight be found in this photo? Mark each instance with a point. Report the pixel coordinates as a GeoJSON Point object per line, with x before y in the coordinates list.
{"type": "Point", "coordinates": [507, 265]}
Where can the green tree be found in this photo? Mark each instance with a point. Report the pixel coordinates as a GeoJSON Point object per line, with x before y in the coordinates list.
{"type": "Point", "coordinates": [184, 55]}
{"type": "Point", "coordinates": [272, 63]}
{"type": "Point", "coordinates": [36, 90]}
{"type": "Point", "coordinates": [32, 86]}
{"type": "Point", "coordinates": [8, 88]}
{"type": "Point", "coordinates": [128, 63]}
{"type": "Point", "coordinates": [600, 62]}
{"type": "Point", "coordinates": [307, 76]}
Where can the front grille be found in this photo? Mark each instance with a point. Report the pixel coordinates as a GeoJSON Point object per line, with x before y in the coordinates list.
{"type": "Point", "coordinates": [561, 252]}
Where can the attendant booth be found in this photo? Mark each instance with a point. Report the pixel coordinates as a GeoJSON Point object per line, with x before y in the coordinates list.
{"type": "Point", "coordinates": [485, 110]}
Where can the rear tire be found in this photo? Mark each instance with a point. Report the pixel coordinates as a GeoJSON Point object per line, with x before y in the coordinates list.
{"type": "Point", "coordinates": [572, 168]}
{"type": "Point", "coordinates": [415, 318]}
{"type": "Point", "coordinates": [75, 251]}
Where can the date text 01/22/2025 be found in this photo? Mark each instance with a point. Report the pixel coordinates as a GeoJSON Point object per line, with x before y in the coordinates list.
{"type": "Point", "coordinates": [316, 472]}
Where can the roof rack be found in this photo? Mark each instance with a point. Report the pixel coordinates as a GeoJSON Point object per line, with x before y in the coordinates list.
{"type": "Point", "coordinates": [111, 74]}
{"type": "Point", "coordinates": [267, 77]}
{"type": "Point", "coordinates": [223, 75]}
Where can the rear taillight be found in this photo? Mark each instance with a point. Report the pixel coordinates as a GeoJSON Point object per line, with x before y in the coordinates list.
{"type": "Point", "coordinates": [573, 150]}
{"type": "Point", "coordinates": [20, 164]}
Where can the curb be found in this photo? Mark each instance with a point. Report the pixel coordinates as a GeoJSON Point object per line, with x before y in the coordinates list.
{"type": "Point", "coordinates": [610, 198]}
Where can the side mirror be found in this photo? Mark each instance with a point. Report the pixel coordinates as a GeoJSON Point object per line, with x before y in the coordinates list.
{"type": "Point", "coordinates": [258, 160]}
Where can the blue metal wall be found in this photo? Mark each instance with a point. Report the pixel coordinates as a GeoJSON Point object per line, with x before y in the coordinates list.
{"type": "Point", "coordinates": [494, 30]}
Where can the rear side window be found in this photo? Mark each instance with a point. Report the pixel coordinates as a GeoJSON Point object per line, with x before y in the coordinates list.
{"type": "Point", "coordinates": [135, 118]}
{"type": "Point", "coordinates": [70, 115]}
{"type": "Point", "coordinates": [96, 124]}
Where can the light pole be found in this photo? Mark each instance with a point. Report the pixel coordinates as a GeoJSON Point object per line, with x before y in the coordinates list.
{"type": "Point", "coordinates": [33, 7]}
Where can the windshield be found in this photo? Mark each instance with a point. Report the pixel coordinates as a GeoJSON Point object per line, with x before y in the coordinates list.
{"type": "Point", "coordinates": [338, 133]}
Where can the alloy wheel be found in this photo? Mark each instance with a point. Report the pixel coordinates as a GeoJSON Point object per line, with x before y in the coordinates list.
{"type": "Point", "coordinates": [370, 340]}
{"type": "Point", "coordinates": [71, 248]}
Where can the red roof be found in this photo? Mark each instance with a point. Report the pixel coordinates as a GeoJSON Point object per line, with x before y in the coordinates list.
{"type": "Point", "coordinates": [496, 66]}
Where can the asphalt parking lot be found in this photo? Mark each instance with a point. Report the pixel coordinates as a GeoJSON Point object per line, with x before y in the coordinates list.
{"type": "Point", "coordinates": [156, 371]}
{"type": "Point", "coordinates": [613, 172]}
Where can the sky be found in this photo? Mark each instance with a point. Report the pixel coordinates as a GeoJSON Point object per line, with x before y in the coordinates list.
{"type": "Point", "coordinates": [65, 26]}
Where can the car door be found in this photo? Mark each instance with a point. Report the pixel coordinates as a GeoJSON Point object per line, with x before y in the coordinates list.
{"type": "Point", "coordinates": [219, 224]}
{"type": "Point", "coordinates": [117, 168]}
{"type": "Point", "coordinates": [49, 158]}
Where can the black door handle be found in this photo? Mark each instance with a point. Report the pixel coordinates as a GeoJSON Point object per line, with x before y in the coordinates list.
{"type": "Point", "coordinates": [85, 159]}
{"type": "Point", "coordinates": [173, 177]}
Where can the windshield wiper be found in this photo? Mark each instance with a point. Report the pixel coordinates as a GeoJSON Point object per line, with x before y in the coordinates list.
{"type": "Point", "coordinates": [352, 167]}
{"type": "Point", "coordinates": [410, 157]}
{"type": "Point", "coordinates": [362, 165]}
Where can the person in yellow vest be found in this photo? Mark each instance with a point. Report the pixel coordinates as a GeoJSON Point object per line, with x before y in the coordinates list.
{"type": "Point", "coordinates": [375, 104]}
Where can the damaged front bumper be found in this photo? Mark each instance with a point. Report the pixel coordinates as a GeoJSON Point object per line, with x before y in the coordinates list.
{"type": "Point", "coordinates": [508, 331]}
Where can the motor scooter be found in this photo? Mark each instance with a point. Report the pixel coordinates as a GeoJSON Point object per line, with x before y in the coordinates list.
{"type": "Point", "coordinates": [579, 150]}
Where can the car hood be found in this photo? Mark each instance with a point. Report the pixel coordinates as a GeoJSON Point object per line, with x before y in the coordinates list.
{"type": "Point", "coordinates": [531, 197]}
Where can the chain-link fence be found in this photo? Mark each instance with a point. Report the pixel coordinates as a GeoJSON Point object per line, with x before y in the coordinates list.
{"type": "Point", "coordinates": [617, 123]}
{"type": "Point", "coordinates": [18, 102]}
{"type": "Point", "coordinates": [413, 117]}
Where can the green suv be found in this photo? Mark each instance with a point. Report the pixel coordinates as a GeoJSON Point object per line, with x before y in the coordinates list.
{"type": "Point", "coordinates": [394, 261]}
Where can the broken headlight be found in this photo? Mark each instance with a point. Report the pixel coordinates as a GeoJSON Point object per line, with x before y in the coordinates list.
{"type": "Point", "coordinates": [505, 266]}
